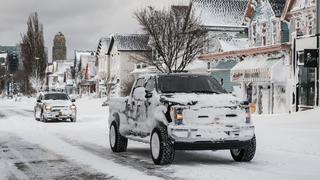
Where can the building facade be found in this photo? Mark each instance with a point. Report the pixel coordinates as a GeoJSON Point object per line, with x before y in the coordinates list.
{"type": "Point", "coordinates": [302, 17]}
{"type": "Point", "coordinates": [59, 49]}
{"type": "Point", "coordinates": [263, 72]}
{"type": "Point", "coordinates": [119, 56]}
{"type": "Point", "coordinates": [223, 21]}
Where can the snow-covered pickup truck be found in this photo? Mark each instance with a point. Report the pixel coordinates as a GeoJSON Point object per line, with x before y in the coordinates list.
{"type": "Point", "coordinates": [181, 112]}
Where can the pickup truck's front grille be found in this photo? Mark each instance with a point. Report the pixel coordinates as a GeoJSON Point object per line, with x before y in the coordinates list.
{"type": "Point", "coordinates": [59, 108]}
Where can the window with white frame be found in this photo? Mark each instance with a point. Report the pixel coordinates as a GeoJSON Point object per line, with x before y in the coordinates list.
{"type": "Point", "coordinates": [264, 34]}
{"type": "Point", "coordinates": [298, 27]}
{"type": "Point", "coordinates": [254, 32]}
{"type": "Point", "coordinates": [274, 31]}
{"type": "Point", "coordinates": [310, 23]}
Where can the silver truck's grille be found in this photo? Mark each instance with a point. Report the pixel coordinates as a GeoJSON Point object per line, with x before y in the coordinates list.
{"type": "Point", "coordinates": [59, 108]}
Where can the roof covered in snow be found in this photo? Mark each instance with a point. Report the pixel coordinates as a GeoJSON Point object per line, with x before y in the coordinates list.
{"type": "Point", "coordinates": [79, 53]}
{"type": "Point", "coordinates": [234, 44]}
{"type": "Point", "coordinates": [220, 12]}
{"type": "Point", "coordinates": [3, 55]}
{"type": "Point", "coordinates": [277, 6]}
{"type": "Point", "coordinates": [302, 4]}
{"type": "Point", "coordinates": [103, 45]}
{"type": "Point", "coordinates": [89, 61]}
{"type": "Point", "coordinates": [60, 66]}
{"type": "Point", "coordinates": [131, 42]}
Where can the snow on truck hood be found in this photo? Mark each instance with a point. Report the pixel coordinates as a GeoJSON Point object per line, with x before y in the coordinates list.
{"type": "Point", "coordinates": [203, 100]}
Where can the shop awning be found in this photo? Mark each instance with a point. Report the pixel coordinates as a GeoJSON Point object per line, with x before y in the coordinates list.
{"type": "Point", "coordinates": [260, 69]}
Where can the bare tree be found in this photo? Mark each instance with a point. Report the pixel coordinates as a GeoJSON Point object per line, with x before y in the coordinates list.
{"type": "Point", "coordinates": [33, 53]}
{"type": "Point", "coordinates": [176, 37]}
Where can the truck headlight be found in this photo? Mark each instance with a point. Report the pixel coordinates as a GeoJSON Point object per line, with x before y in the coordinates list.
{"type": "Point", "coordinates": [177, 115]}
{"type": "Point", "coordinates": [245, 105]}
{"type": "Point", "coordinates": [73, 107]}
{"type": "Point", "coordinates": [248, 117]}
{"type": "Point", "coordinates": [48, 108]}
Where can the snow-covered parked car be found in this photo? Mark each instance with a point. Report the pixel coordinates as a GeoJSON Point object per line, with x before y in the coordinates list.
{"type": "Point", "coordinates": [181, 112]}
{"type": "Point", "coordinates": [55, 106]}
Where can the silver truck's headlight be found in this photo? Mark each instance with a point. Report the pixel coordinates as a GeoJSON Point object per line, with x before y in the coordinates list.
{"type": "Point", "coordinates": [48, 108]}
{"type": "Point", "coordinates": [176, 115]}
{"type": "Point", "coordinates": [73, 107]}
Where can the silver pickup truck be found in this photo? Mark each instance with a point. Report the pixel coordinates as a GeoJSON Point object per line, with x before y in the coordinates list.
{"type": "Point", "coordinates": [181, 112]}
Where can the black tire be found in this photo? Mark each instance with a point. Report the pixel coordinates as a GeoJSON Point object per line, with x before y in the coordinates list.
{"type": "Point", "coordinates": [166, 151]}
{"type": "Point", "coordinates": [43, 119]}
{"type": "Point", "coordinates": [73, 119]}
{"type": "Point", "coordinates": [120, 143]}
{"type": "Point", "coordinates": [35, 115]}
{"type": "Point", "coordinates": [246, 153]}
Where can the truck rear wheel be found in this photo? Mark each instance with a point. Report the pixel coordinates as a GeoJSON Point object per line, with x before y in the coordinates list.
{"type": "Point", "coordinates": [246, 153]}
{"type": "Point", "coordinates": [118, 143]}
{"type": "Point", "coordinates": [161, 148]}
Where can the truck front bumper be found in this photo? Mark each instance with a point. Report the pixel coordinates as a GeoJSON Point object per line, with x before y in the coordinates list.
{"type": "Point", "coordinates": [210, 138]}
{"type": "Point", "coordinates": [56, 115]}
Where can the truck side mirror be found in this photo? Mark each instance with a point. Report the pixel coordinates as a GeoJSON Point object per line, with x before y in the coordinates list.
{"type": "Point", "coordinates": [38, 101]}
{"type": "Point", "coordinates": [73, 100]}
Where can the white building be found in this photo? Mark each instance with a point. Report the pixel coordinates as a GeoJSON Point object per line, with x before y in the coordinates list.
{"type": "Point", "coordinates": [103, 65]}
{"type": "Point", "coordinates": [118, 56]}
{"type": "Point", "coordinates": [301, 15]}
{"type": "Point", "coordinates": [87, 73]}
{"type": "Point", "coordinates": [60, 76]}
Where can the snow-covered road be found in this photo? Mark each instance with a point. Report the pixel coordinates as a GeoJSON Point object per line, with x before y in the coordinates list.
{"type": "Point", "coordinates": [287, 148]}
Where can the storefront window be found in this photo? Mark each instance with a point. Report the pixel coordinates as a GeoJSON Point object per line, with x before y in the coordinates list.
{"type": "Point", "coordinates": [310, 24]}
{"type": "Point", "coordinates": [306, 86]}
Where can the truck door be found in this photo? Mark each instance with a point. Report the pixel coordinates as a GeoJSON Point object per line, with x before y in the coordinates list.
{"type": "Point", "coordinates": [146, 123]}
{"type": "Point", "coordinates": [135, 101]}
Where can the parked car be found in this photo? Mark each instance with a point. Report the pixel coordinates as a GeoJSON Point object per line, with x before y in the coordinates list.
{"type": "Point", "coordinates": [181, 112]}
{"type": "Point", "coordinates": [55, 106]}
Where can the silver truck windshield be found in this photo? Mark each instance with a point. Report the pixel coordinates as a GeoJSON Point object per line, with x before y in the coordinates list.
{"type": "Point", "coordinates": [56, 96]}
{"type": "Point", "coordinates": [189, 84]}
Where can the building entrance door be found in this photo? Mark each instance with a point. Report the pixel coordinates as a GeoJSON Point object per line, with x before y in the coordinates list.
{"type": "Point", "coordinates": [306, 88]}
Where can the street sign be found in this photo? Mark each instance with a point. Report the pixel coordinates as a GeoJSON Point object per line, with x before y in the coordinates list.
{"type": "Point", "coordinates": [311, 57]}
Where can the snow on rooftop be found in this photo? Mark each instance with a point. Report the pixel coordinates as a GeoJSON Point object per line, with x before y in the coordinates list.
{"type": "Point", "coordinates": [3, 55]}
{"type": "Point", "coordinates": [220, 12]}
{"type": "Point", "coordinates": [90, 61]}
{"type": "Point", "coordinates": [131, 42]}
{"type": "Point", "coordinates": [62, 66]}
{"type": "Point", "coordinates": [104, 44]}
{"type": "Point", "coordinates": [234, 44]}
{"type": "Point", "coordinates": [277, 6]}
{"type": "Point", "coordinates": [302, 4]}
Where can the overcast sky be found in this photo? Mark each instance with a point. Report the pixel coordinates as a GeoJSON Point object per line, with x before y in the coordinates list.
{"type": "Point", "coordinates": [83, 22]}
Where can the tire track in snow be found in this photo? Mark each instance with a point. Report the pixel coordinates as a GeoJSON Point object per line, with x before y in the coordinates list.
{"type": "Point", "coordinates": [28, 161]}
{"type": "Point", "coordinates": [126, 159]}
{"type": "Point", "coordinates": [23, 112]}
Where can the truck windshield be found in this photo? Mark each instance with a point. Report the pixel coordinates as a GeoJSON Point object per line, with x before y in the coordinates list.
{"type": "Point", "coordinates": [56, 96]}
{"type": "Point", "coordinates": [189, 84]}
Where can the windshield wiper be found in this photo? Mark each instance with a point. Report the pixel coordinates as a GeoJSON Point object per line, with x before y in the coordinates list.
{"type": "Point", "coordinates": [206, 91]}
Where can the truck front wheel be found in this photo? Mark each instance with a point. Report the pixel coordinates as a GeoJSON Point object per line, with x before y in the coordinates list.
{"type": "Point", "coordinates": [161, 148]}
{"type": "Point", "coordinates": [118, 143]}
{"type": "Point", "coordinates": [246, 153]}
